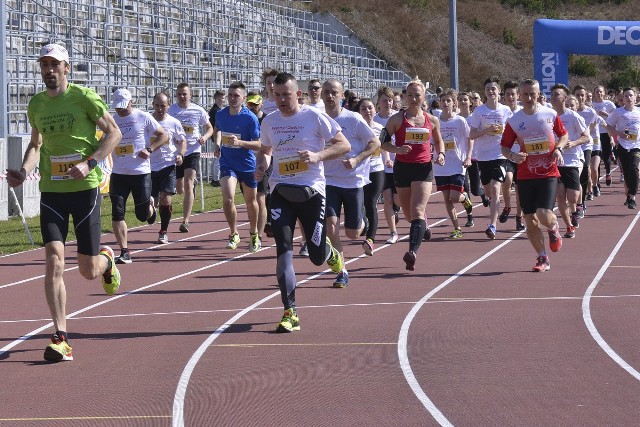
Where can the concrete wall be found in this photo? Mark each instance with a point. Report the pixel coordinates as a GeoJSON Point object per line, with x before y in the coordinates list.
{"type": "Point", "coordinates": [4, 188]}
{"type": "Point", "coordinates": [28, 193]}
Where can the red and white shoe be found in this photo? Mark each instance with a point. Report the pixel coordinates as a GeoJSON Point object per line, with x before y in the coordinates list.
{"type": "Point", "coordinates": [542, 264]}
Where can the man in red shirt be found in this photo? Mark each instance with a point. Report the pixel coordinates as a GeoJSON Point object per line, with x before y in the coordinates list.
{"type": "Point", "coordinates": [533, 128]}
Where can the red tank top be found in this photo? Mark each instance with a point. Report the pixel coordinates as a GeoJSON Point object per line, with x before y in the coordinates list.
{"type": "Point", "coordinates": [419, 138]}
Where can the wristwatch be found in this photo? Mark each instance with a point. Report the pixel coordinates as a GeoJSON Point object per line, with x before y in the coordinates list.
{"type": "Point", "coordinates": [91, 162]}
{"type": "Point", "coordinates": [148, 149]}
{"type": "Point", "coordinates": [559, 149]}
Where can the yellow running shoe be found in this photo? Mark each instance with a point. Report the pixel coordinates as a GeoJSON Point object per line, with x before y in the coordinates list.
{"type": "Point", "coordinates": [234, 239]}
{"type": "Point", "coordinates": [456, 234]}
{"type": "Point", "coordinates": [335, 261]}
{"type": "Point", "coordinates": [254, 244]}
{"type": "Point", "coordinates": [58, 350]}
{"type": "Point", "coordinates": [289, 322]}
{"type": "Point", "coordinates": [110, 278]}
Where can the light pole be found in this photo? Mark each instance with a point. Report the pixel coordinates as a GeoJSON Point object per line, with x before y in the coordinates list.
{"type": "Point", "coordinates": [453, 45]}
{"type": "Point", "coordinates": [4, 122]}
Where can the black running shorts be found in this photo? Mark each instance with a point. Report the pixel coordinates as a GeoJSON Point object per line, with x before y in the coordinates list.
{"type": "Point", "coordinates": [492, 170]}
{"type": "Point", "coordinates": [406, 173]}
{"type": "Point", "coordinates": [570, 177]}
{"type": "Point", "coordinates": [163, 181]}
{"type": "Point", "coordinates": [84, 208]}
{"type": "Point", "coordinates": [538, 193]}
{"type": "Point", "coordinates": [192, 161]}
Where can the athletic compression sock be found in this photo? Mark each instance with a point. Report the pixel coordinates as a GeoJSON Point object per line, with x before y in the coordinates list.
{"type": "Point", "coordinates": [165, 216]}
{"type": "Point", "coordinates": [416, 233]}
{"type": "Point", "coordinates": [62, 335]}
{"type": "Point", "coordinates": [109, 263]}
{"type": "Point", "coordinates": [286, 279]}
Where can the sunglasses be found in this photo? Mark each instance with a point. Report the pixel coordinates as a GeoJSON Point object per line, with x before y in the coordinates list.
{"type": "Point", "coordinates": [315, 87]}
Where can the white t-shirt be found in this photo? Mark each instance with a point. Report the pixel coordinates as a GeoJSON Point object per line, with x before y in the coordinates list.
{"type": "Point", "coordinates": [319, 105]}
{"type": "Point", "coordinates": [192, 118]}
{"type": "Point", "coordinates": [375, 161]}
{"type": "Point", "coordinates": [487, 147]}
{"type": "Point", "coordinates": [516, 146]}
{"type": "Point", "coordinates": [269, 106]}
{"type": "Point", "coordinates": [383, 121]}
{"type": "Point", "coordinates": [455, 136]}
{"type": "Point", "coordinates": [590, 118]}
{"type": "Point", "coordinates": [606, 106]}
{"type": "Point", "coordinates": [575, 125]}
{"type": "Point", "coordinates": [137, 129]}
{"type": "Point", "coordinates": [165, 156]}
{"type": "Point", "coordinates": [308, 129]}
{"type": "Point", "coordinates": [628, 122]}
{"type": "Point", "coordinates": [358, 133]}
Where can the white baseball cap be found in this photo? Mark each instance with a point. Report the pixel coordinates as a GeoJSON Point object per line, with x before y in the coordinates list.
{"type": "Point", "coordinates": [121, 98]}
{"type": "Point", "coordinates": [54, 51]}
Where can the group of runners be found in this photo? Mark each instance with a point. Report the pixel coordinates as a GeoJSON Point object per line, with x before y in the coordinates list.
{"type": "Point", "coordinates": [309, 161]}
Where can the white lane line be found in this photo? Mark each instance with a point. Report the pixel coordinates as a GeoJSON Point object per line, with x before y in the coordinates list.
{"type": "Point", "coordinates": [586, 310]}
{"type": "Point", "coordinates": [183, 382]}
{"type": "Point", "coordinates": [352, 305]}
{"type": "Point", "coordinates": [403, 355]}
{"type": "Point", "coordinates": [105, 234]}
{"type": "Point", "coordinates": [25, 337]}
{"type": "Point", "coordinates": [30, 279]}
{"type": "Point", "coordinates": [161, 245]}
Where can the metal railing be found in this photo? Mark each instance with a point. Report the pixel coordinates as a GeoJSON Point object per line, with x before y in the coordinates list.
{"type": "Point", "coordinates": [153, 45]}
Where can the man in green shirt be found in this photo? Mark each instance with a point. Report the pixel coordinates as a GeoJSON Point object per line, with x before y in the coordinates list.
{"type": "Point", "coordinates": [64, 145]}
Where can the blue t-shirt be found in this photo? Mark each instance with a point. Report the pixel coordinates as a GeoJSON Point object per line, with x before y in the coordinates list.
{"type": "Point", "coordinates": [246, 125]}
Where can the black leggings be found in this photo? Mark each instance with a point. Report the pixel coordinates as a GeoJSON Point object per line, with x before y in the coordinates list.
{"type": "Point", "coordinates": [605, 140]}
{"type": "Point", "coordinates": [473, 174]}
{"type": "Point", "coordinates": [371, 193]}
{"type": "Point", "coordinates": [584, 176]}
{"type": "Point", "coordinates": [311, 214]}
{"type": "Point", "coordinates": [629, 161]}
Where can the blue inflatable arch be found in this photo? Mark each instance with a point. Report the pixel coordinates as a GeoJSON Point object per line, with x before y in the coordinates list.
{"type": "Point", "coordinates": [554, 40]}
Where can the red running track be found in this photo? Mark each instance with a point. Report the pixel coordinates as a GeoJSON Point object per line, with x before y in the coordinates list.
{"type": "Point", "coordinates": [472, 337]}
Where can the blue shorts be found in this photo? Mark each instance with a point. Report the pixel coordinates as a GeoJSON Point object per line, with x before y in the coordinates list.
{"type": "Point", "coordinates": [247, 178]}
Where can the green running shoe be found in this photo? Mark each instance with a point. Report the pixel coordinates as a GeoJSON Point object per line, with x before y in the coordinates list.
{"type": "Point", "coordinates": [335, 261]}
{"type": "Point", "coordinates": [234, 239]}
{"type": "Point", "coordinates": [111, 277]}
{"type": "Point", "coordinates": [289, 323]}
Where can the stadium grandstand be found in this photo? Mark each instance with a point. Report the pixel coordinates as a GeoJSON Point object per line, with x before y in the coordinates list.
{"type": "Point", "coordinates": [153, 45]}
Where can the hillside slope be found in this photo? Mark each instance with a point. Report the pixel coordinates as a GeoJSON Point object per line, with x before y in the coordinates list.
{"type": "Point", "coordinates": [413, 35]}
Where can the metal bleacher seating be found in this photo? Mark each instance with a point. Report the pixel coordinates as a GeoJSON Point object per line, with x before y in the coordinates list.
{"type": "Point", "coordinates": [153, 45]}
